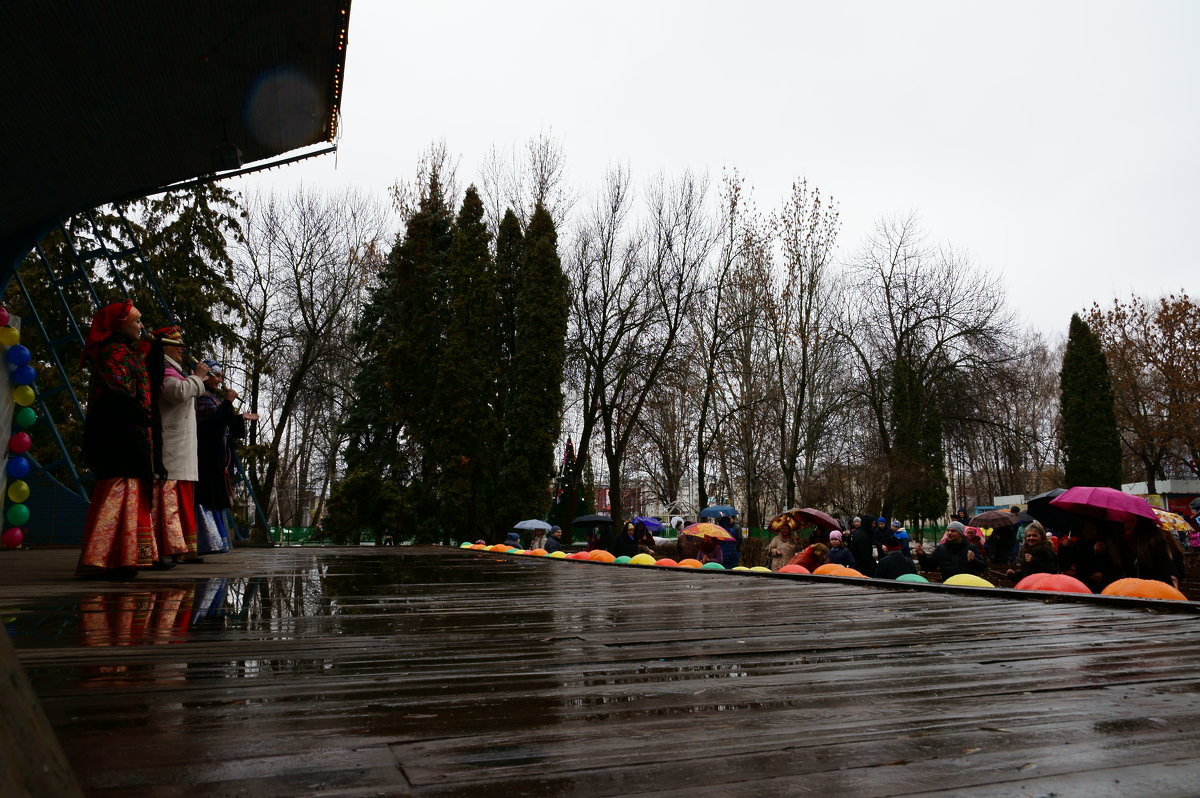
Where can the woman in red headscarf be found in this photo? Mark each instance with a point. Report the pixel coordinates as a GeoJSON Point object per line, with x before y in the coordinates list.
{"type": "Point", "coordinates": [117, 445]}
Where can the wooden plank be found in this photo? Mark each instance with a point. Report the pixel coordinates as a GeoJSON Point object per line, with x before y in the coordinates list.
{"type": "Point", "coordinates": [431, 672]}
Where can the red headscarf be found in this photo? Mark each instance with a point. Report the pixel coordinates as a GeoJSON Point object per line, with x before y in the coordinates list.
{"type": "Point", "coordinates": [104, 324]}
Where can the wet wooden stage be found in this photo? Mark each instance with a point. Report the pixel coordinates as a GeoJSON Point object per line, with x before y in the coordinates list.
{"type": "Point", "coordinates": [435, 672]}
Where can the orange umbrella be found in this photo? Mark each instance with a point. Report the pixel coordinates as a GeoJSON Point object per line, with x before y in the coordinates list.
{"type": "Point", "coordinates": [706, 530]}
{"type": "Point", "coordinates": [1171, 522]}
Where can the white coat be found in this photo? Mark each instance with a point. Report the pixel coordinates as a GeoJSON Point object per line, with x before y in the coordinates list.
{"type": "Point", "coordinates": [176, 405]}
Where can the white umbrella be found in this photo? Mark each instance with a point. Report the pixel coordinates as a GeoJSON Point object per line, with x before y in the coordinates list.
{"type": "Point", "coordinates": [533, 523]}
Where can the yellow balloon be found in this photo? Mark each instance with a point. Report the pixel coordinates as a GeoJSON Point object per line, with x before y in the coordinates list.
{"type": "Point", "coordinates": [558, 555]}
{"type": "Point", "coordinates": [18, 491]}
{"type": "Point", "coordinates": [641, 559]}
{"type": "Point", "coordinates": [967, 580]}
{"type": "Point", "coordinates": [761, 568]}
{"type": "Point", "coordinates": [9, 335]}
{"type": "Point", "coordinates": [23, 395]}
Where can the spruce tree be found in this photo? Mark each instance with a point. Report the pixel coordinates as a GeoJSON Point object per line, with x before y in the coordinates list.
{"type": "Point", "coordinates": [1091, 443]}
{"type": "Point", "coordinates": [413, 342]}
{"type": "Point", "coordinates": [467, 380]}
{"type": "Point", "coordinates": [534, 406]}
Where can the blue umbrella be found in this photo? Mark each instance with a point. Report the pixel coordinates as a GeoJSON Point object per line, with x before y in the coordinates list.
{"type": "Point", "coordinates": [719, 511]}
{"type": "Point", "coordinates": [652, 524]}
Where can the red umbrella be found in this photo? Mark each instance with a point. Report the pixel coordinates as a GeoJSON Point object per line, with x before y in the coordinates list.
{"type": "Point", "coordinates": [1105, 504]}
{"type": "Point", "coordinates": [809, 515]}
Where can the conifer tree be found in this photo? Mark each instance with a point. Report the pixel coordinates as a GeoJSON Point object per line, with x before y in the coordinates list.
{"type": "Point", "coordinates": [1091, 443]}
{"type": "Point", "coordinates": [534, 406]}
{"type": "Point", "coordinates": [414, 334]}
{"type": "Point", "coordinates": [464, 445]}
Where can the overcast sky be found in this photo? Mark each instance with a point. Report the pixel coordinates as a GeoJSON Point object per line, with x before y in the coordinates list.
{"type": "Point", "coordinates": [1056, 142]}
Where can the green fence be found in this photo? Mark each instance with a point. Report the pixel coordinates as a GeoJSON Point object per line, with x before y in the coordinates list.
{"type": "Point", "coordinates": [291, 535]}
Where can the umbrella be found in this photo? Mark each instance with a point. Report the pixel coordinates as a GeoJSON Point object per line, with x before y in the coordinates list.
{"type": "Point", "coordinates": [817, 518]}
{"type": "Point", "coordinates": [1171, 522]}
{"type": "Point", "coordinates": [1105, 504]}
{"type": "Point", "coordinates": [532, 523]}
{"type": "Point", "coordinates": [591, 520]}
{"type": "Point", "coordinates": [652, 524]}
{"type": "Point", "coordinates": [703, 530]}
{"type": "Point", "coordinates": [1040, 508]}
{"type": "Point", "coordinates": [994, 519]}
{"type": "Point", "coordinates": [718, 511]}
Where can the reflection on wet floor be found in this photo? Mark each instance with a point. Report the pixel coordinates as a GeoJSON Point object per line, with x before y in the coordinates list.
{"type": "Point", "coordinates": [481, 674]}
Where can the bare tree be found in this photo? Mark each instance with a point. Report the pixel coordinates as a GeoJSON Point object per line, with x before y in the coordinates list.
{"type": "Point", "coordinates": [305, 267]}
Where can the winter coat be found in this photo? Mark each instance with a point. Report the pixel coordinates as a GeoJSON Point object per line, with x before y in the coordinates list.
{"type": "Point", "coordinates": [786, 549]}
{"type": "Point", "coordinates": [176, 406]}
{"type": "Point", "coordinates": [840, 555]}
{"type": "Point", "coordinates": [893, 564]}
{"type": "Point", "coordinates": [951, 559]}
{"type": "Point", "coordinates": [1044, 561]}
{"type": "Point", "coordinates": [860, 545]}
{"type": "Point", "coordinates": [217, 426]}
{"type": "Point", "coordinates": [731, 550]}
{"type": "Point", "coordinates": [116, 432]}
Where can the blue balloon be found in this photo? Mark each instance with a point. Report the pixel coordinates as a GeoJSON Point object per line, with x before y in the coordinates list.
{"type": "Point", "coordinates": [18, 467]}
{"type": "Point", "coordinates": [17, 356]}
{"type": "Point", "coordinates": [25, 375]}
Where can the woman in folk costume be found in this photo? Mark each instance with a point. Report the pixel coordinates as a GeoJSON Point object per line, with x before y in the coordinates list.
{"type": "Point", "coordinates": [118, 537]}
{"type": "Point", "coordinates": [174, 393]}
{"type": "Point", "coordinates": [218, 424]}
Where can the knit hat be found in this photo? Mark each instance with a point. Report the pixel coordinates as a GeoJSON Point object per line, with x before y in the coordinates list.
{"type": "Point", "coordinates": [859, 520]}
{"type": "Point", "coordinates": [512, 537]}
{"type": "Point", "coordinates": [881, 520]}
{"type": "Point", "coordinates": [956, 526]}
{"type": "Point", "coordinates": [896, 524]}
{"type": "Point", "coordinates": [835, 535]}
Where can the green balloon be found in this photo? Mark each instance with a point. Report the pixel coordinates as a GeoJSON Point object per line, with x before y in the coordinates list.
{"type": "Point", "coordinates": [713, 566]}
{"type": "Point", "coordinates": [17, 514]}
{"type": "Point", "coordinates": [621, 560]}
{"type": "Point", "coordinates": [911, 578]}
{"type": "Point", "coordinates": [26, 417]}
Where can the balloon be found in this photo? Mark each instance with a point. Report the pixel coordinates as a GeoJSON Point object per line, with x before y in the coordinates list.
{"type": "Point", "coordinates": [622, 560]}
{"type": "Point", "coordinates": [538, 552]}
{"type": "Point", "coordinates": [641, 559]}
{"type": "Point", "coordinates": [1053, 583]}
{"type": "Point", "coordinates": [25, 375]}
{"type": "Point", "coordinates": [713, 566]}
{"type": "Point", "coordinates": [19, 443]}
{"type": "Point", "coordinates": [9, 336]}
{"type": "Point", "coordinates": [739, 568]}
{"type": "Point", "coordinates": [667, 561]}
{"type": "Point", "coordinates": [12, 537]}
{"type": "Point", "coordinates": [690, 563]}
{"type": "Point", "coordinates": [17, 514]}
{"type": "Point", "coordinates": [1143, 588]}
{"type": "Point", "coordinates": [792, 569]}
{"type": "Point", "coordinates": [600, 555]}
{"type": "Point", "coordinates": [18, 491]}
{"type": "Point", "coordinates": [23, 395]}
{"type": "Point", "coordinates": [3, 316]}
{"type": "Point", "coordinates": [829, 569]}
{"type": "Point", "coordinates": [557, 555]}
{"type": "Point", "coordinates": [26, 417]}
{"type": "Point", "coordinates": [466, 544]}
{"type": "Point", "coordinates": [761, 568]}
{"type": "Point", "coordinates": [579, 555]}
{"type": "Point", "coordinates": [17, 468]}
{"type": "Point", "coordinates": [17, 356]}
{"type": "Point", "coordinates": [852, 573]}
{"type": "Point", "coordinates": [967, 580]}
{"type": "Point", "coordinates": [911, 578]}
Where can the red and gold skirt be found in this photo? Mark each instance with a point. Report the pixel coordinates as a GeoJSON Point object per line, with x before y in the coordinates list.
{"type": "Point", "coordinates": [175, 517]}
{"type": "Point", "coordinates": [118, 532]}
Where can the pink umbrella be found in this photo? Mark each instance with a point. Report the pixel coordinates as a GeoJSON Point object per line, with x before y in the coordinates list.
{"type": "Point", "coordinates": [1105, 504]}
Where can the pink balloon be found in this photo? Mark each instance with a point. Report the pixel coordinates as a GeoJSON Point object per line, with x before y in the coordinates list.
{"type": "Point", "coordinates": [12, 537]}
{"type": "Point", "coordinates": [19, 443]}
{"type": "Point", "coordinates": [3, 316]}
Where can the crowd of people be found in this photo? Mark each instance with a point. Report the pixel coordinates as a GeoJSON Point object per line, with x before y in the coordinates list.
{"type": "Point", "coordinates": [158, 438]}
{"type": "Point", "coordinates": [1096, 553]}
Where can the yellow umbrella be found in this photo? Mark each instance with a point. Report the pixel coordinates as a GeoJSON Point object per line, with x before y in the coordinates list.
{"type": "Point", "coordinates": [706, 530]}
{"type": "Point", "coordinates": [1172, 522]}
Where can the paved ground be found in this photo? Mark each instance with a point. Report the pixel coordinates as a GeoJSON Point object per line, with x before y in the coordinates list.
{"type": "Point", "coordinates": [432, 672]}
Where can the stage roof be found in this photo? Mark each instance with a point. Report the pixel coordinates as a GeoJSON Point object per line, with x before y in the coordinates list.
{"type": "Point", "coordinates": [106, 101]}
